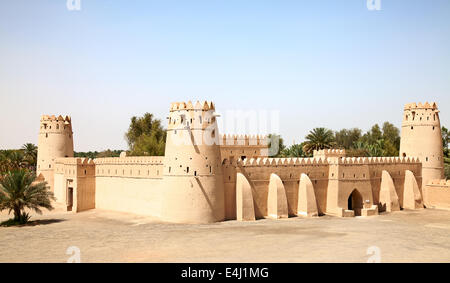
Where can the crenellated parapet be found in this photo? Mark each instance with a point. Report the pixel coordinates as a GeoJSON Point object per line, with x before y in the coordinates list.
{"type": "Point", "coordinates": [426, 105]}
{"type": "Point", "coordinates": [376, 160]}
{"type": "Point", "coordinates": [131, 160]}
{"type": "Point", "coordinates": [75, 161]}
{"type": "Point", "coordinates": [244, 140]}
{"type": "Point", "coordinates": [52, 118]}
{"type": "Point", "coordinates": [203, 106]}
{"type": "Point", "coordinates": [329, 153]}
{"type": "Point", "coordinates": [255, 162]}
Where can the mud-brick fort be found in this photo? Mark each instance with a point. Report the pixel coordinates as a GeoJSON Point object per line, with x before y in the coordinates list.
{"type": "Point", "coordinates": [205, 177]}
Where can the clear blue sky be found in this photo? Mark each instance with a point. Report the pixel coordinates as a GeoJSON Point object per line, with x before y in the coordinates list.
{"type": "Point", "coordinates": [320, 63]}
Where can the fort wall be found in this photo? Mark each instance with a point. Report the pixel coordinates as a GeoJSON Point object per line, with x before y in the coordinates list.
{"type": "Point", "coordinates": [129, 184]}
{"type": "Point", "coordinates": [75, 183]}
{"type": "Point", "coordinates": [438, 193]}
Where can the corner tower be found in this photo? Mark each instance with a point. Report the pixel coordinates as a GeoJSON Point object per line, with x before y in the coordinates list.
{"type": "Point", "coordinates": [55, 141]}
{"type": "Point", "coordinates": [421, 137]}
{"type": "Point", "coordinates": [193, 179]}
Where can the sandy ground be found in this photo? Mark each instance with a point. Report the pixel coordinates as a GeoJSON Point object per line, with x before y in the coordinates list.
{"type": "Point", "coordinates": [103, 236]}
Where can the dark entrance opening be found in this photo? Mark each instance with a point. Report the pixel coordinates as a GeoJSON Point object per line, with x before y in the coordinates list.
{"type": "Point", "coordinates": [355, 202]}
{"type": "Point", "coordinates": [69, 199]}
{"type": "Point", "coordinates": [243, 157]}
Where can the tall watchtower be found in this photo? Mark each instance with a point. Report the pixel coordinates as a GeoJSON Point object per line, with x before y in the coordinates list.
{"type": "Point", "coordinates": [421, 137]}
{"type": "Point", "coordinates": [55, 141]}
{"type": "Point", "coordinates": [193, 179]}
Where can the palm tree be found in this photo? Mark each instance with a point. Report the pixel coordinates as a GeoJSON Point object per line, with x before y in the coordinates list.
{"type": "Point", "coordinates": [19, 190]}
{"type": "Point", "coordinates": [30, 152]}
{"type": "Point", "coordinates": [296, 150]}
{"type": "Point", "coordinates": [317, 139]}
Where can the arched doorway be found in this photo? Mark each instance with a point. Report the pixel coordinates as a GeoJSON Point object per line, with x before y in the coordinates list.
{"type": "Point", "coordinates": [355, 202]}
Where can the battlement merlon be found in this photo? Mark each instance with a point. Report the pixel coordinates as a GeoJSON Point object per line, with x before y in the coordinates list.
{"type": "Point", "coordinates": [53, 118]}
{"type": "Point", "coordinates": [204, 106]}
{"type": "Point", "coordinates": [413, 106]}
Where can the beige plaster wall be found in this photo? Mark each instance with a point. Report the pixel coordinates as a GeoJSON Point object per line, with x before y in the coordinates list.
{"type": "Point", "coordinates": [438, 194]}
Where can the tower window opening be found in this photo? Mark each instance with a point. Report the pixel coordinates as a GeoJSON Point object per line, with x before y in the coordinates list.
{"type": "Point", "coordinates": [426, 159]}
{"type": "Point", "coordinates": [187, 169]}
{"type": "Point", "coordinates": [170, 169]}
{"type": "Point", "coordinates": [404, 154]}
{"type": "Point", "coordinates": [433, 128]}
{"type": "Point", "coordinates": [85, 172]}
{"type": "Point", "coordinates": [46, 135]}
{"type": "Point", "coordinates": [200, 119]}
{"type": "Point", "coordinates": [412, 128]}
{"type": "Point", "coordinates": [195, 173]}
{"type": "Point", "coordinates": [57, 126]}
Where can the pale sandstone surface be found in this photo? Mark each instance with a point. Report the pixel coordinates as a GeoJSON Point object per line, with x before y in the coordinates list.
{"type": "Point", "coordinates": [105, 236]}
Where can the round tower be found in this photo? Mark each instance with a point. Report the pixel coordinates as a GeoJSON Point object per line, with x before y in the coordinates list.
{"type": "Point", "coordinates": [193, 179]}
{"type": "Point", "coordinates": [421, 137]}
{"type": "Point", "coordinates": [55, 141]}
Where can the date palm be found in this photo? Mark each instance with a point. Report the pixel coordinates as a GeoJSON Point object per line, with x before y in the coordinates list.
{"type": "Point", "coordinates": [30, 152]}
{"type": "Point", "coordinates": [19, 190]}
{"type": "Point", "coordinates": [317, 139]}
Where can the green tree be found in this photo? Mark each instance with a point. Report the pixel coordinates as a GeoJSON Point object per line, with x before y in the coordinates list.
{"type": "Point", "coordinates": [146, 136]}
{"type": "Point", "coordinates": [296, 150]}
{"type": "Point", "coordinates": [18, 191]}
{"type": "Point", "coordinates": [346, 138]}
{"type": "Point", "coordinates": [373, 135]}
{"type": "Point", "coordinates": [445, 140]}
{"type": "Point", "coordinates": [318, 138]}
{"type": "Point", "coordinates": [391, 137]}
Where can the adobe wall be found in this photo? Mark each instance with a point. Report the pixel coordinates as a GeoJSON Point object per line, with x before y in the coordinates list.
{"type": "Point", "coordinates": [258, 172]}
{"type": "Point", "coordinates": [396, 167]}
{"type": "Point", "coordinates": [234, 147]}
{"type": "Point", "coordinates": [78, 174]}
{"type": "Point", "coordinates": [129, 184]}
{"type": "Point", "coordinates": [334, 179]}
{"type": "Point", "coordinates": [438, 194]}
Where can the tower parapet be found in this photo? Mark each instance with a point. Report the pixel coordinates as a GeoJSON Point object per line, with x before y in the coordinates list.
{"type": "Point", "coordinates": [55, 141]}
{"type": "Point", "coordinates": [421, 137]}
{"type": "Point", "coordinates": [193, 179]}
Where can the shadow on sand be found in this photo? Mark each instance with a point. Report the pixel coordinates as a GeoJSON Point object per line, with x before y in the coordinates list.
{"type": "Point", "coordinates": [34, 223]}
